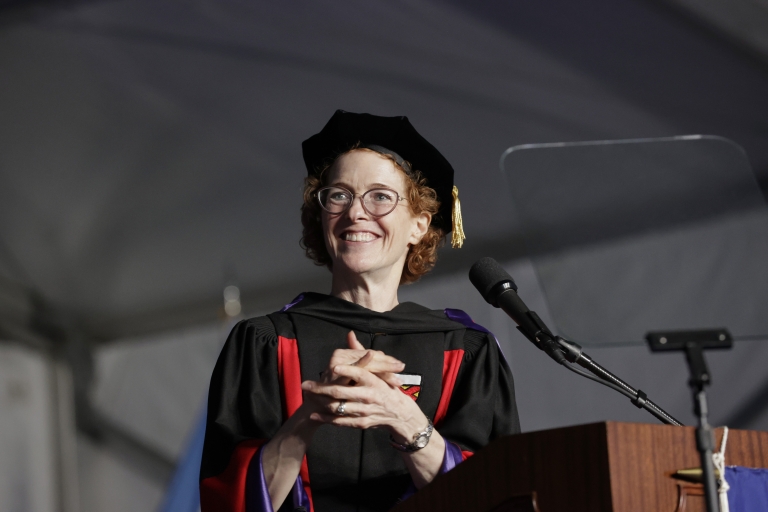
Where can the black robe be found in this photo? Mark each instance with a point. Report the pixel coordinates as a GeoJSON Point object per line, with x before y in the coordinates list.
{"type": "Point", "coordinates": [459, 379]}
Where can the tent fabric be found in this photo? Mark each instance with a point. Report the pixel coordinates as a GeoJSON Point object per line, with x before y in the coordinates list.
{"type": "Point", "coordinates": [150, 150]}
{"type": "Point", "coordinates": [27, 429]}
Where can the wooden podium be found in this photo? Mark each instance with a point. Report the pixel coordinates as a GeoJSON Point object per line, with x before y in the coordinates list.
{"type": "Point", "coordinates": [601, 467]}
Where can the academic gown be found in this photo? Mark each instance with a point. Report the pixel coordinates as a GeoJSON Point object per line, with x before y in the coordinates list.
{"type": "Point", "coordinates": [454, 371]}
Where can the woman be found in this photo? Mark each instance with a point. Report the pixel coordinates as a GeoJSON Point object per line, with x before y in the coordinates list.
{"type": "Point", "coordinates": [351, 401]}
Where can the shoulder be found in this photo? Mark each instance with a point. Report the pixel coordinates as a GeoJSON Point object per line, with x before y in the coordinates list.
{"type": "Point", "coordinates": [476, 337]}
{"type": "Point", "coordinates": [476, 341]}
{"type": "Point", "coordinates": [257, 329]}
{"type": "Point", "coordinates": [251, 343]}
{"type": "Point", "coordinates": [261, 325]}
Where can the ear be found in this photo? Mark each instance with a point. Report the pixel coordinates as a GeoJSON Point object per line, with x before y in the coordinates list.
{"type": "Point", "coordinates": [420, 227]}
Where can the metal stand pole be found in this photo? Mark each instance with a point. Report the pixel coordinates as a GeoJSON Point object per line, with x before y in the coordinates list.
{"type": "Point", "coordinates": [693, 343]}
{"type": "Point", "coordinates": [704, 438]}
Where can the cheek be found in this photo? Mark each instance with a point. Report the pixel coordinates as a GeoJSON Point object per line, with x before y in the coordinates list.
{"type": "Point", "coordinates": [400, 233]}
{"type": "Point", "coordinates": [327, 224]}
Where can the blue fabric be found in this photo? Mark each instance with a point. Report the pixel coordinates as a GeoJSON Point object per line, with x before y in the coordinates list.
{"type": "Point", "coordinates": [748, 489]}
{"type": "Point", "coordinates": [183, 493]}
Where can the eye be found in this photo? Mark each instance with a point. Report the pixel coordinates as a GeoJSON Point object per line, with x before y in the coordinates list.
{"type": "Point", "coordinates": [383, 196]}
{"type": "Point", "coordinates": [338, 196]}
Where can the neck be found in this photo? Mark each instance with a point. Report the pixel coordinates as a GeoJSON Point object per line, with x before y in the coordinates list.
{"type": "Point", "coordinates": [377, 293]}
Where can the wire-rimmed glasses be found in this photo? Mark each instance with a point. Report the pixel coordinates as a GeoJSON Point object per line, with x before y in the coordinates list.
{"type": "Point", "coordinates": [377, 201]}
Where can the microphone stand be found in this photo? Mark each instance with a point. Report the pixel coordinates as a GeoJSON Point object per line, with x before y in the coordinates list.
{"type": "Point", "coordinates": [567, 353]}
{"type": "Point", "coordinates": [704, 439]}
{"type": "Point", "coordinates": [693, 344]}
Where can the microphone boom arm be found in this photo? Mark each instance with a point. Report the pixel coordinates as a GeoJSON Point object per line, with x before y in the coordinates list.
{"type": "Point", "coordinates": [574, 354]}
{"type": "Point", "coordinates": [564, 352]}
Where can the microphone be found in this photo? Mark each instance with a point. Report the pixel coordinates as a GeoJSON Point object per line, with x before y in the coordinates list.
{"type": "Point", "coordinates": [499, 290]}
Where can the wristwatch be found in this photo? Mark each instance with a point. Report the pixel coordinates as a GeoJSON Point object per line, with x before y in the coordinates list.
{"type": "Point", "coordinates": [420, 440]}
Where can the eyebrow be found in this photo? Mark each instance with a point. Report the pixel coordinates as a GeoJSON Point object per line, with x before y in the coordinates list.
{"type": "Point", "coordinates": [372, 186]}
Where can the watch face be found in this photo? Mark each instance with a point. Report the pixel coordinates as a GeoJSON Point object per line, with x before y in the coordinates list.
{"type": "Point", "coordinates": [421, 441]}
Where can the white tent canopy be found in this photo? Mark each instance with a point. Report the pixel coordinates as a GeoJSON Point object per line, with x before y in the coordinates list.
{"type": "Point", "coordinates": [150, 150]}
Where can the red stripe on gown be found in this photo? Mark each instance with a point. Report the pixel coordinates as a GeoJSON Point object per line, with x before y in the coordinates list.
{"type": "Point", "coordinates": [226, 491]}
{"type": "Point", "coordinates": [451, 363]}
{"type": "Point", "coordinates": [289, 371]}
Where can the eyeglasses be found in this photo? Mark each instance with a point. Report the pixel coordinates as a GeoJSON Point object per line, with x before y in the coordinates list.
{"type": "Point", "coordinates": [377, 201]}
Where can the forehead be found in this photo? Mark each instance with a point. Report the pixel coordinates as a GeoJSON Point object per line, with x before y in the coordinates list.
{"type": "Point", "coordinates": [361, 169]}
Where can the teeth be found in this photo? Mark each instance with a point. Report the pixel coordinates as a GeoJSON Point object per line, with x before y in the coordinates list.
{"type": "Point", "coordinates": [358, 237]}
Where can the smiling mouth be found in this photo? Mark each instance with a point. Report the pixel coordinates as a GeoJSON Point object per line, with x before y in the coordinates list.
{"type": "Point", "coordinates": [358, 237]}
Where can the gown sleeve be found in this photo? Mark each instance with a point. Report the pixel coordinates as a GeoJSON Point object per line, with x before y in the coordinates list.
{"type": "Point", "coordinates": [244, 412]}
{"type": "Point", "coordinates": [482, 406]}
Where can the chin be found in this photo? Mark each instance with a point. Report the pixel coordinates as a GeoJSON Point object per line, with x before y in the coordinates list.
{"type": "Point", "coordinates": [354, 265]}
{"type": "Point", "coordinates": [364, 260]}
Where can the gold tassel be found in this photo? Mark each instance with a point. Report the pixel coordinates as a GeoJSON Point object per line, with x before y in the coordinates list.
{"type": "Point", "coordinates": [457, 237]}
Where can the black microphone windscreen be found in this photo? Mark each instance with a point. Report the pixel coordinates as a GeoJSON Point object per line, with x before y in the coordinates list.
{"type": "Point", "coordinates": [487, 273]}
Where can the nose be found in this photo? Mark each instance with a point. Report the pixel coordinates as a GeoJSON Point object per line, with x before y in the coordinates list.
{"type": "Point", "coordinates": [357, 209]}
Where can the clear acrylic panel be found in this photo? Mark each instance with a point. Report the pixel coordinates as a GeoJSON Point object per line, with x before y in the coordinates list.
{"type": "Point", "coordinates": [630, 236]}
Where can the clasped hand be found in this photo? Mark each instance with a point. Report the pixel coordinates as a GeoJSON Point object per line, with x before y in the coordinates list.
{"type": "Point", "coordinates": [366, 380]}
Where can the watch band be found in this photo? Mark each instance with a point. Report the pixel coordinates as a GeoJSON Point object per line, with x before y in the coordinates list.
{"type": "Point", "coordinates": [420, 440]}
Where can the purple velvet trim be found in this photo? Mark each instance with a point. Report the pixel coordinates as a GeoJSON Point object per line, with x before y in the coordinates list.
{"type": "Point", "coordinates": [410, 491]}
{"type": "Point", "coordinates": [464, 319]}
{"type": "Point", "coordinates": [256, 493]}
{"type": "Point", "coordinates": [257, 498]}
{"type": "Point", "coordinates": [300, 498]}
{"type": "Point", "coordinates": [293, 303]}
{"type": "Point", "coordinates": [451, 459]}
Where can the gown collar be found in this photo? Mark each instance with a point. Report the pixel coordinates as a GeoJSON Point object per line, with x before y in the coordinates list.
{"type": "Point", "coordinates": [406, 317]}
